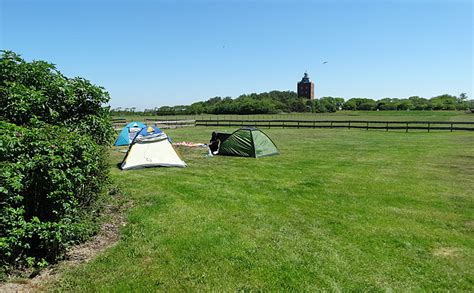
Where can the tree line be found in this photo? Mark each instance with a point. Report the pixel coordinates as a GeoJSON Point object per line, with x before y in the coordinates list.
{"type": "Point", "coordinates": [288, 101]}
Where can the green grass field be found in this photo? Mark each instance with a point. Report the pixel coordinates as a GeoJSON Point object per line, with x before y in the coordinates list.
{"type": "Point", "coordinates": [337, 210]}
{"type": "Point", "coordinates": [460, 116]}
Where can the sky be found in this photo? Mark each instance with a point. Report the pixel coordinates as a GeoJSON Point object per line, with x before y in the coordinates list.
{"type": "Point", "coordinates": [153, 53]}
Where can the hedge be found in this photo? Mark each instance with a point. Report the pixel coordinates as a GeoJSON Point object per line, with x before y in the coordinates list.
{"type": "Point", "coordinates": [54, 135]}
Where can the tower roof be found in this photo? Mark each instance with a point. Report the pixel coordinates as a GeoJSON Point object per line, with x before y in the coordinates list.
{"type": "Point", "coordinates": [305, 78]}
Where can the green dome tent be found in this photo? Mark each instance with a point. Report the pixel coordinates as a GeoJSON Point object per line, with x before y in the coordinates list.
{"type": "Point", "coordinates": [247, 142]}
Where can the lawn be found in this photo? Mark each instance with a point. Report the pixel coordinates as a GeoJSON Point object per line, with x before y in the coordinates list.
{"type": "Point", "coordinates": [460, 116]}
{"type": "Point", "coordinates": [337, 210]}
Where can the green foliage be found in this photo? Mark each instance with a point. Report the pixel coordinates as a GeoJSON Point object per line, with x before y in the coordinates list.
{"type": "Point", "coordinates": [287, 102]}
{"type": "Point", "coordinates": [53, 138]}
{"type": "Point", "coordinates": [360, 104]}
{"type": "Point", "coordinates": [49, 178]}
{"type": "Point", "coordinates": [328, 104]}
{"type": "Point", "coordinates": [37, 91]}
{"type": "Point", "coordinates": [263, 103]}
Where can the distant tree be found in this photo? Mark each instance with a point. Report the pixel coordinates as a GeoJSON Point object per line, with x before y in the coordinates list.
{"type": "Point", "coordinates": [327, 104]}
{"type": "Point", "coordinates": [298, 105]}
{"type": "Point", "coordinates": [339, 103]}
{"type": "Point", "coordinates": [367, 105]}
{"type": "Point", "coordinates": [213, 101]}
{"type": "Point", "coordinates": [462, 103]}
{"type": "Point", "coordinates": [386, 104]}
{"type": "Point", "coordinates": [288, 101]}
{"type": "Point", "coordinates": [311, 105]}
{"type": "Point", "coordinates": [197, 108]}
{"type": "Point", "coordinates": [405, 104]}
{"type": "Point", "coordinates": [165, 110]}
{"type": "Point", "coordinates": [420, 103]}
{"type": "Point", "coordinates": [351, 104]}
{"type": "Point", "coordinates": [444, 102]}
{"type": "Point", "coordinates": [360, 104]}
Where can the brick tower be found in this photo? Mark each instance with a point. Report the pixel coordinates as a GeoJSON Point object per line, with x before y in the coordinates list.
{"type": "Point", "coordinates": [306, 88]}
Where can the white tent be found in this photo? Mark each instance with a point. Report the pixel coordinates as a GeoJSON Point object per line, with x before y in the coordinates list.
{"type": "Point", "coordinates": [151, 150]}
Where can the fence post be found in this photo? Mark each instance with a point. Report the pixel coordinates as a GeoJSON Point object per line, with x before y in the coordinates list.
{"type": "Point", "coordinates": [387, 127]}
{"type": "Point", "coordinates": [407, 128]}
{"type": "Point", "coordinates": [269, 121]}
{"type": "Point", "coordinates": [349, 125]}
{"type": "Point", "coordinates": [298, 125]}
{"type": "Point", "coordinates": [429, 127]}
{"type": "Point", "coordinates": [451, 127]}
{"type": "Point", "coordinates": [367, 125]}
{"type": "Point", "coordinates": [283, 124]}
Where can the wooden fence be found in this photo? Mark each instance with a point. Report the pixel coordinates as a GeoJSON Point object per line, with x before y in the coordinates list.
{"type": "Point", "coordinates": [119, 123]}
{"type": "Point", "coordinates": [381, 125]}
{"type": "Point", "coordinates": [170, 123]}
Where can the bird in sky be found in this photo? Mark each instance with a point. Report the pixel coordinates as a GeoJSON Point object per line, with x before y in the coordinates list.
{"type": "Point", "coordinates": [325, 62]}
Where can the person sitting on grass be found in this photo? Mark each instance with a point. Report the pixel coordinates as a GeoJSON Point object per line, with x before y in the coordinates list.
{"type": "Point", "coordinates": [214, 144]}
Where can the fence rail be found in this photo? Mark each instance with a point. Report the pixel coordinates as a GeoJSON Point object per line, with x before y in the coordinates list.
{"type": "Point", "coordinates": [119, 123]}
{"type": "Point", "coordinates": [171, 123]}
{"type": "Point", "coordinates": [381, 125]}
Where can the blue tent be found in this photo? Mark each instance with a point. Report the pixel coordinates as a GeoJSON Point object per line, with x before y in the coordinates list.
{"type": "Point", "coordinates": [128, 133]}
{"type": "Point", "coordinates": [149, 130]}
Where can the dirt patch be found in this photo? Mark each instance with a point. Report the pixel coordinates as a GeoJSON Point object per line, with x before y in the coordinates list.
{"type": "Point", "coordinates": [447, 252]}
{"type": "Point", "coordinates": [108, 236]}
{"type": "Point", "coordinates": [469, 225]}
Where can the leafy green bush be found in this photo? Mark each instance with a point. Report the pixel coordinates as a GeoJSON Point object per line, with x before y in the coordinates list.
{"type": "Point", "coordinates": [54, 134]}
{"type": "Point", "coordinates": [38, 90]}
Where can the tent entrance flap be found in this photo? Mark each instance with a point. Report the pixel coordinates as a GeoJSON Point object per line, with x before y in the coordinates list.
{"type": "Point", "coordinates": [264, 146]}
